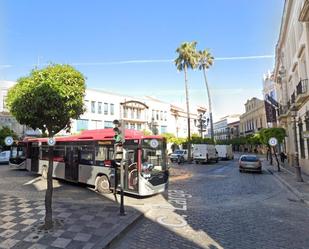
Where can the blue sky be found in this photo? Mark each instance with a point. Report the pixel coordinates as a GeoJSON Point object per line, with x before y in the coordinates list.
{"type": "Point", "coordinates": [91, 34]}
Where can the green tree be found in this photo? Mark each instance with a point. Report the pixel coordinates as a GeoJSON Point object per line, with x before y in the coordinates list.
{"type": "Point", "coordinates": [5, 132]}
{"type": "Point", "coordinates": [187, 58]}
{"type": "Point", "coordinates": [266, 134]}
{"type": "Point", "coordinates": [48, 99]}
{"type": "Point", "coordinates": [205, 60]}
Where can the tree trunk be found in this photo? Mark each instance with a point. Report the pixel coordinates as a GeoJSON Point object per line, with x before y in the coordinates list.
{"type": "Point", "coordinates": [270, 155]}
{"type": "Point", "coordinates": [278, 163]}
{"type": "Point", "coordinates": [188, 114]}
{"type": "Point", "coordinates": [49, 191]}
{"type": "Point", "coordinates": [209, 106]}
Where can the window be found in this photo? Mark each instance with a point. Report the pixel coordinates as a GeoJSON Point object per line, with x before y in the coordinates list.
{"type": "Point", "coordinates": [139, 127]}
{"type": "Point", "coordinates": [59, 154]}
{"type": "Point", "coordinates": [86, 156]}
{"type": "Point", "coordinates": [125, 112]}
{"type": "Point", "coordinates": [138, 113]}
{"type": "Point", "coordinates": [93, 106]}
{"type": "Point", "coordinates": [44, 152]}
{"type": "Point", "coordinates": [112, 109]}
{"type": "Point", "coordinates": [301, 140]}
{"type": "Point", "coordinates": [165, 115]}
{"type": "Point", "coordinates": [103, 156]}
{"type": "Point", "coordinates": [153, 114]}
{"type": "Point", "coordinates": [100, 107]}
{"type": "Point", "coordinates": [105, 108]}
{"type": "Point", "coordinates": [108, 124]}
{"type": "Point", "coordinates": [86, 105]}
{"type": "Point", "coordinates": [132, 126]}
{"type": "Point", "coordinates": [163, 129]}
{"type": "Point", "coordinates": [161, 115]}
{"type": "Point", "coordinates": [132, 113]}
{"type": "Point", "coordinates": [97, 124]}
{"type": "Point", "coordinates": [157, 116]}
{"type": "Point", "coordinates": [82, 124]}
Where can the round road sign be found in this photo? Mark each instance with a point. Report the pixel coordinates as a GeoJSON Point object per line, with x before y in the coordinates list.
{"type": "Point", "coordinates": [273, 141]}
{"type": "Point", "coordinates": [51, 141]}
{"type": "Point", "coordinates": [8, 141]}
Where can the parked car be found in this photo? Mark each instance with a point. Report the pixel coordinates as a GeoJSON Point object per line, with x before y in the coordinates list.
{"type": "Point", "coordinates": [179, 156]}
{"type": "Point", "coordinates": [250, 163]}
{"type": "Point", "coordinates": [5, 157]}
{"type": "Point", "coordinates": [204, 153]}
{"type": "Point", "coordinates": [225, 151]}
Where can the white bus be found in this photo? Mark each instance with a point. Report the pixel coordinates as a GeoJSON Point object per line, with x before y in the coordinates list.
{"type": "Point", "coordinates": [89, 158]}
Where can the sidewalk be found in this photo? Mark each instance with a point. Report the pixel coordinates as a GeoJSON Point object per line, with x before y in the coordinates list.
{"type": "Point", "coordinates": [77, 226]}
{"type": "Point", "coordinates": [288, 178]}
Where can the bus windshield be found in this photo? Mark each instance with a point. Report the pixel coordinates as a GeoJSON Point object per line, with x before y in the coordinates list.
{"type": "Point", "coordinates": [153, 156]}
{"type": "Point", "coordinates": [18, 151]}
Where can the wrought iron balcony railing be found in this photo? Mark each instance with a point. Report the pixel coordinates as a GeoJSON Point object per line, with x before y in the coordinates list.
{"type": "Point", "coordinates": [302, 87]}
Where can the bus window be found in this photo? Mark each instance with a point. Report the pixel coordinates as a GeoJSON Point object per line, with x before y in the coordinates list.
{"type": "Point", "coordinates": [44, 153]}
{"type": "Point", "coordinates": [59, 154]}
{"type": "Point", "coordinates": [86, 156]}
{"type": "Point", "coordinates": [100, 155]}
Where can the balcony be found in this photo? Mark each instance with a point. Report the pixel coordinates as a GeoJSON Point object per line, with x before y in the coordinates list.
{"type": "Point", "coordinates": [283, 111]}
{"type": "Point", "coordinates": [302, 92]}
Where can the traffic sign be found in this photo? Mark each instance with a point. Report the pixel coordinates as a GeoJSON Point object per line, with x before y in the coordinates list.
{"type": "Point", "coordinates": [273, 141]}
{"type": "Point", "coordinates": [8, 141]}
{"type": "Point", "coordinates": [51, 141]}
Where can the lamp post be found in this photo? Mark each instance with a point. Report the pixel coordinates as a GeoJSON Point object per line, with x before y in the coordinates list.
{"type": "Point", "coordinates": [297, 167]}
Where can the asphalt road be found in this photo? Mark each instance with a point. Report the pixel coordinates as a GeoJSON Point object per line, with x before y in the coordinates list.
{"type": "Point", "coordinates": [218, 207]}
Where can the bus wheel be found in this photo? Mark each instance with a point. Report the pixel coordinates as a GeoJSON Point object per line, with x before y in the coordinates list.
{"type": "Point", "coordinates": [102, 185]}
{"type": "Point", "coordinates": [44, 172]}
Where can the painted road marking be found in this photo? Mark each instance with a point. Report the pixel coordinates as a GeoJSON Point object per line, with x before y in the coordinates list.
{"type": "Point", "coordinates": [180, 222]}
{"type": "Point", "coordinates": [178, 199]}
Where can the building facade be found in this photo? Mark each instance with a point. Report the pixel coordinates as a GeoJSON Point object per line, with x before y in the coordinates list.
{"type": "Point", "coordinates": [226, 128]}
{"type": "Point", "coordinates": [254, 118]}
{"type": "Point", "coordinates": [145, 113]}
{"type": "Point", "coordinates": [102, 108]}
{"type": "Point", "coordinates": [291, 73]}
{"type": "Point", "coordinates": [6, 119]}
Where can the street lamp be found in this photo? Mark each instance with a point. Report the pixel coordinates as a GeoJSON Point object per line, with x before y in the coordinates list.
{"type": "Point", "coordinates": [297, 167]}
{"type": "Point", "coordinates": [202, 123]}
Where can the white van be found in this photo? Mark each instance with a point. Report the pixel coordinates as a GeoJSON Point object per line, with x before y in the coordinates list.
{"type": "Point", "coordinates": [225, 152]}
{"type": "Point", "coordinates": [203, 153]}
{"type": "Point", "coordinates": [5, 157]}
{"type": "Point", "coordinates": [179, 156]}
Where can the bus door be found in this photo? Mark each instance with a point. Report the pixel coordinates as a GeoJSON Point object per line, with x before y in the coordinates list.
{"type": "Point", "coordinates": [34, 158]}
{"type": "Point", "coordinates": [131, 171]}
{"type": "Point", "coordinates": [71, 163]}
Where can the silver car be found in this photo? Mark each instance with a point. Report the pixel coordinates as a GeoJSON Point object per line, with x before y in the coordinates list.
{"type": "Point", "coordinates": [250, 163]}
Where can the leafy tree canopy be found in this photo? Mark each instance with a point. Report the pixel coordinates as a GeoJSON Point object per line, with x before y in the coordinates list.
{"type": "Point", "coordinates": [48, 98]}
{"type": "Point", "coordinates": [267, 133]}
{"type": "Point", "coordinates": [5, 132]}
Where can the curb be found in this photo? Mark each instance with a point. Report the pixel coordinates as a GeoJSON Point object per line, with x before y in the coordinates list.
{"type": "Point", "coordinates": [113, 236]}
{"type": "Point", "coordinates": [298, 194]}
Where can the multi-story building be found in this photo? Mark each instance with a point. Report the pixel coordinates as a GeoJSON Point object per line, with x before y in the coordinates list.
{"type": "Point", "coordinates": [226, 127]}
{"type": "Point", "coordinates": [103, 107]}
{"type": "Point", "coordinates": [233, 129]}
{"type": "Point", "coordinates": [291, 73]}
{"type": "Point", "coordinates": [138, 113]}
{"type": "Point", "coordinates": [270, 92]}
{"type": "Point", "coordinates": [254, 118]}
{"type": "Point", "coordinates": [6, 119]}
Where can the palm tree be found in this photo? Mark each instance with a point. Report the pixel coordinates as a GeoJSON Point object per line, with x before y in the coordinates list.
{"type": "Point", "coordinates": [205, 60]}
{"type": "Point", "coordinates": [187, 58]}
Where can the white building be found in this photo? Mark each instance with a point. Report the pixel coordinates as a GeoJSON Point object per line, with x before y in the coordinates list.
{"type": "Point", "coordinates": [291, 73]}
{"type": "Point", "coordinates": [103, 107]}
{"type": "Point", "coordinates": [6, 119]}
{"type": "Point", "coordinates": [222, 127]}
{"type": "Point", "coordinates": [145, 113]}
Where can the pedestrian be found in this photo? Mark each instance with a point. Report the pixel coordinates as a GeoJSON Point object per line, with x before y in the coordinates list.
{"type": "Point", "coordinates": [282, 157]}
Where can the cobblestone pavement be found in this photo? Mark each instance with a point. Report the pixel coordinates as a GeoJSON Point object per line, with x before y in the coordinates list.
{"type": "Point", "coordinates": [221, 208]}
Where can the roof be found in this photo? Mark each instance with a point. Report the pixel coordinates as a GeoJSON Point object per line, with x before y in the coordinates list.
{"type": "Point", "coordinates": [100, 134]}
